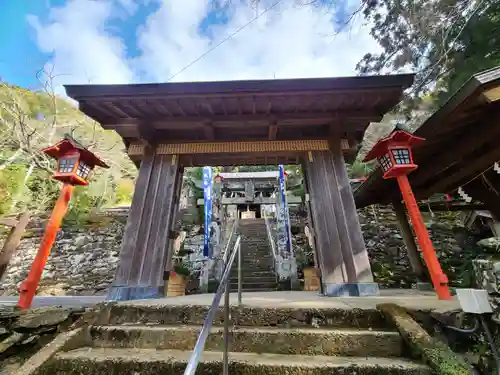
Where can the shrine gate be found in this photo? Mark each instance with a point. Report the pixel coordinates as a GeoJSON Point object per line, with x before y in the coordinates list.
{"type": "Point", "coordinates": [166, 127]}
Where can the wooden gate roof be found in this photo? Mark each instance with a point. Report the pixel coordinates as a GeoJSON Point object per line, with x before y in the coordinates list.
{"type": "Point", "coordinates": [461, 145]}
{"type": "Point", "coordinates": [285, 109]}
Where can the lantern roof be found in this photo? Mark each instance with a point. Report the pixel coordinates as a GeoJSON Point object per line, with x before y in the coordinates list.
{"type": "Point", "coordinates": [396, 138]}
{"type": "Point", "coordinates": [67, 146]}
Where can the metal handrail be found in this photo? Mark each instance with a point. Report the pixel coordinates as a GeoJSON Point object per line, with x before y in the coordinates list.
{"type": "Point", "coordinates": [226, 248]}
{"type": "Point", "coordinates": [270, 238]}
{"type": "Point", "coordinates": [224, 286]}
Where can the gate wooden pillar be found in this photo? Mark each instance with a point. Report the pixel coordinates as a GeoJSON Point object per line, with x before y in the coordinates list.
{"type": "Point", "coordinates": [342, 256]}
{"type": "Point", "coordinates": [145, 247]}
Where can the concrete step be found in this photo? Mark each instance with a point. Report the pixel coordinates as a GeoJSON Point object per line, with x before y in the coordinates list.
{"type": "Point", "coordinates": [265, 316]}
{"type": "Point", "coordinates": [94, 361]}
{"type": "Point", "coordinates": [304, 341]}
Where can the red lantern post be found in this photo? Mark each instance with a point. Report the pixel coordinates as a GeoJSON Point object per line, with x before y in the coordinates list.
{"type": "Point", "coordinates": [73, 168]}
{"type": "Point", "coordinates": [394, 154]}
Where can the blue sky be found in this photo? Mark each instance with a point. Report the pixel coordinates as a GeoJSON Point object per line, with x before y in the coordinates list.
{"type": "Point", "coordinates": [123, 41]}
{"type": "Point", "coordinates": [17, 41]}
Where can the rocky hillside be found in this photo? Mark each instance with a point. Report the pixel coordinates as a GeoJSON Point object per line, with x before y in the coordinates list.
{"type": "Point", "coordinates": [30, 121]}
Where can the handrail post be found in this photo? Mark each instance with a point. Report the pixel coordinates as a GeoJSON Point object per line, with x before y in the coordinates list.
{"type": "Point", "coordinates": [225, 363]}
{"type": "Point", "coordinates": [240, 273]}
{"type": "Point", "coordinates": [224, 287]}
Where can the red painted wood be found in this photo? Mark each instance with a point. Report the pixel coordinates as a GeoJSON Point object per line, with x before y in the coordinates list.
{"type": "Point", "coordinates": [28, 287]}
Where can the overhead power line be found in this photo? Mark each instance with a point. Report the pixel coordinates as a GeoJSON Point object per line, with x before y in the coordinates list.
{"type": "Point", "coordinates": [224, 40]}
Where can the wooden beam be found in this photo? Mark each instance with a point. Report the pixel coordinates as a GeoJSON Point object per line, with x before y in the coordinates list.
{"type": "Point", "coordinates": [480, 190]}
{"type": "Point", "coordinates": [258, 200]}
{"type": "Point", "coordinates": [243, 147]}
{"type": "Point", "coordinates": [468, 168]}
{"type": "Point", "coordinates": [199, 160]}
{"type": "Point", "coordinates": [179, 108]}
{"type": "Point", "coordinates": [12, 242]}
{"type": "Point", "coordinates": [163, 107]}
{"type": "Point", "coordinates": [282, 119]}
{"type": "Point", "coordinates": [208, 130]}
{"type": "Point", "coordinates": [145, 244]}
{"type": "Point", "coordinates": [147, 135]}
{"type": "Point", "coordinates": [208, 106]}
{"type": "Point", "coordinates": [409, 240]}
{"type": "Point", "coordinates": [8, 221]}
{"type": "Point", "coordinates": [450, 206]}
{"type": "Point", "coordinates": [131, 109]}
{"type": "Point", "coordinates": [114, 108]}
{"type": "Point", "coordinates": [238, 104]}
{"type": "Point", "coordinates": [229, 93]}
{"type": "Point", "coordinates": [342, 256]}
{"type": "Point", "coordinates": [272, 132]}
{"type": "Point", "coordinates": [467, 143]}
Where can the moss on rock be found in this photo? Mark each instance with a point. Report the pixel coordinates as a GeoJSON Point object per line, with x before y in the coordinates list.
{"type": "Point", "coordinates": [436, 354]}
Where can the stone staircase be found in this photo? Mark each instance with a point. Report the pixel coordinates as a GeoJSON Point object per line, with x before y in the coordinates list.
{"type": "Point", "coordinates": [144, 338]}
{"type": "Point", "coordinates": [257, 259]}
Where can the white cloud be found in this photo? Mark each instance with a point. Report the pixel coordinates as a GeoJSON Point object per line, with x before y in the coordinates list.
{"type": "Point", "coordinates": [289, 41]}
{"type": "Point", "coordinates": [82, 49]}
{"type": "Point", "coordinates": [293, 41]}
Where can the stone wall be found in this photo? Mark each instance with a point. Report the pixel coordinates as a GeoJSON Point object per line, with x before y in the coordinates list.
{"type": "Point", "coordinates": [84, 260]}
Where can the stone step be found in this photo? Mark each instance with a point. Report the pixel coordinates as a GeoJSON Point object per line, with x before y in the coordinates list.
{"type": "Point", "coordinates": [251, 257]}
{"type": "Point", "coordinates": [167, 314]}
{"type": "Point", "coordinates": [263, 267]}
{"type": "Point", "coordinates": [97, 361]}
{"type": "Point", "coordinates": [248, 273]}
{"type": "Point", "coordinates": [254, 279]}
{"type": "Point", "coordinates": [234, 289]}
{"type": "Point", "coordinates": [255, 269]}
{"type": "Point", "coordinates": [258, 259]}
{"type": "Point", "coordinates": [255, 286]}
{"type": "Point", "coordinates": [254, 257]}
{"type": "Point", "coordinates": [256, 248]}
{"type": "Point", "coordinates": [258, 262]}
{"type": "Point", "coordinates": [304, 341]}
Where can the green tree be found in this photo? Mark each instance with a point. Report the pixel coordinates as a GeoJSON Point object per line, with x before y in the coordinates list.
{"type": "Point", "coordinates": [30, 121]}
{"type": "Point", "coordinates": [443, 41]}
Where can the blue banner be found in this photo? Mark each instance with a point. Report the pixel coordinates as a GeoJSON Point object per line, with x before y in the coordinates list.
{"type": "Point", "coordinates": [207, 204]}
{"type": "Point", "coordinates": [284, 208]}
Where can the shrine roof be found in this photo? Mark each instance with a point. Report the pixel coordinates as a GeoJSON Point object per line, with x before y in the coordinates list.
{"type": "Point", "coordinates": [461, 144]}
{"type": "Point", "coordinates": [283, 109]}
{"type": "Point", "coordinates": [249, 175]}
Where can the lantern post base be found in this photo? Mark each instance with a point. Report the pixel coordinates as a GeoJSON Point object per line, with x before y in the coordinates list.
{"type": "Point", "coordinates": [350, 289]}
{"type": "Point", "coordinates": [128, 293]}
